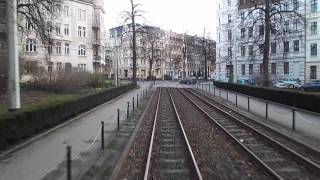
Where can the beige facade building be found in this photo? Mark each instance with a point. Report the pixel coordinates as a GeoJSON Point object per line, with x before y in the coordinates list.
{"type": "Point", "coordinates": [171, 61]}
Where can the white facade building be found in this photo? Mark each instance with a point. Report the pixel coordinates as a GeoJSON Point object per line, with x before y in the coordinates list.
{"type": "Point", "coordinates": [239, 44]}
{"type": "Point", "coordinates": [77, 35]}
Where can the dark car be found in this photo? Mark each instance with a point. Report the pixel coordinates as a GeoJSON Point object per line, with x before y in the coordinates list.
{"type": "Point", "coordinates": [188, 81]}
{"type": "Point", "coordinates": [312, 86]}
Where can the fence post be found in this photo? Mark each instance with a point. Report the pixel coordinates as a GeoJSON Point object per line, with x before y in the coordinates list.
{"type": "Point", "coordinates": [102, 134]}
{"type": "Point", "coordinates": [69, 163]}
{"type": "Point", "coordinates": [248, 104]}
{"type": "Point", "coordinates": [267, 110]}
{"type": "Point", "coordinates": [128, 109]}
{"type": "Point", "coordinates": [209, 87]}
{"type": "Point", "coordinates": [293, 119]}
{"type": "Point", "coordinates": [236, 100]}
{"type": "Point", "coordinates": [118, 112]}
{"type": "Point", "coordinates": [227, 95]}
{"type": "Point", "coordinates": [133, 103]}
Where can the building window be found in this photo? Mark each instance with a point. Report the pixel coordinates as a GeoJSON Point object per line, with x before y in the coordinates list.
{"type": "Point", "coordinates": [79, 31]}
{"type": "Point", "coordinates": [243, 69]}
{"type": "Point", "coordinates": [273, 28]}
{"type": "Point", "coordinates": [273, 48]}
{"type": "Point", "coordinates": [29, 25]}
{"type": "Point", "coordinates": [229, 51]}
{"type": "Point", "coordinates": [261, 48]}
{"type": "Point", "coordinates": [84, 31]}
{"type": "Point", "coordinates": [31, 45]}
{"type": "Point", "coordinates": [250, 50]}
{"type": "Point", "coordinates": [314, 49]}
{"type": "Point", "coordinates": [243, 50]}
{"type": "Point", "coordinates": [229, 2]}
{"type": "Point", "coordinates": [66, 48]}
{"type": "Point", "coordinates": [242, 15]}
{"type": "Point", "coordinates": [66, 29]}
{"type": "Point", "coordinates": [59, 66]}
{"type": "Point", "coordinates": [313, 72]}
{"type": "Point", "coordinates": [82, 67]}
{"type": "Point", "coordinates": [66, 10]}
{"type": "Point", "coordinates": [286, 6]}
{"type": "Point", "coordinates": [296, 45]}
{"type": "Point", "coordinates": [49, 26]}
{"type": "Point", "coordinates": [50, 68]}
{"type": "Point", "coordinates": [229, 18]}
{"type": "Point", "coordinates": [295, 5]}
{"type": "Point", "coordinates": [250, 32]}
{"type": "Point", "coordinates": [58, 47]}
{"type": "Point", "coordinates": [286, 67]}
{"type": "Point", "coordinates": [31, 66]}
{"type": "Point", "coordinates": [82, 50]}
{"type": "Point", "coordinates": [250, 69]}
{"type": "Point", "coordinates": [286, 46]}
{"type": "Point", "coordinates": [82, 14]}
{"type": "Point", "coordinates": [314, 28]}
{"type": "Point", "coordinates": [261, 30]}
{"type": "Point", "coordinates": [58, 28]}
{"type": "Point", "coordinates": [273, 68]}
{"type": "Point", "coordinates": [229, 35]}
{"type": "Point", "coordinates": [50, 48]}
{"type": "Point", "coordinates": [286, 26]}
{"type": "Point", "coordinates": [296, 24]}
{"type": "Point", "coordinates": [314, 6]}
{"type": "Point", "coordinates": [243, 31]}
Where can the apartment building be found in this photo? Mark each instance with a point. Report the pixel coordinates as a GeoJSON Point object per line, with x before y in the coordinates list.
{"type": "Point", "coordinates": [176, 55]}
{"type": "Point", "coordinates": [312, 40]}
{"type": "Point", "coordinates": [77, 39]}
{"type": "Point", "coordinates": [241, 37]}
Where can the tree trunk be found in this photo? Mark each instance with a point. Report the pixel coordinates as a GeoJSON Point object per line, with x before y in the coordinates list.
{"type": "Point", "coordinates": [134, 54]}
{"type": "Point", "coordinates": [266, 44]}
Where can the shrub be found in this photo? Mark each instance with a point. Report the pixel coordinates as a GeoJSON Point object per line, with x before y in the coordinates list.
{"type": "Point", "coordinates": [304, 100]}
{"type": "Point", "coordinates": [22, 124]}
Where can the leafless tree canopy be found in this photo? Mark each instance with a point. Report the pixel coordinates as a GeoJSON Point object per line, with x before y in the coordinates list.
{"type": "Point", "coordinates": [37, 13]}
{"type": "Point", "coordinates": [271, 17]}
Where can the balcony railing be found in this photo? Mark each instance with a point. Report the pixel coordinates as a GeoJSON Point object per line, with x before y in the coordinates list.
{"type": "Point", "coordinates": [97, 41]}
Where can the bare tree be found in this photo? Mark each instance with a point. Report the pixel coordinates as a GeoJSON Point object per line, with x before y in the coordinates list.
{"type": "Point", "coordinates": [35, 15]}
{"type": "Point", "coordinates": [131, 15]}
{"type": "Point", "coordinates": [150, 37]}
{"type": "Point", "coordinates": [271, 15]}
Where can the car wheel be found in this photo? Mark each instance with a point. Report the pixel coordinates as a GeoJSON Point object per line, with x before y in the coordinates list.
{"type": "Point", "coordinates": [291, 86]}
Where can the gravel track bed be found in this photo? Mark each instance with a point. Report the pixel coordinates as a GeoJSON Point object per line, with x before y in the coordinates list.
{"type": "Point", "coordinates": [303, 150]}
{"type": "Point", "coordinates": [278, 161]}
{"type": "Point", "coordinates": [216, 155]}
{"type": "Point", "coordinates": [134, 165]}
{"type": "Point", "coordinates": [170, 157]}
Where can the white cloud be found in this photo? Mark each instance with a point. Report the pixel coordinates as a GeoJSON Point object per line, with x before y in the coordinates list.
{"type": "Point", "coordinates": [190, 16]}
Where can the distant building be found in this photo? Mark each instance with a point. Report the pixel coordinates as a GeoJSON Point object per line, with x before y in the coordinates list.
{"type": "Point", "coordinates": [169, 58]}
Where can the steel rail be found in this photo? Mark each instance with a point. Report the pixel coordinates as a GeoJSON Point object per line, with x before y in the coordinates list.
{"type": "Point", "coordinates": [185, 138]}
{"type": "Point", "coordinates": [146, 172]}
{"type": "Point", "coordinates": [297, 157]}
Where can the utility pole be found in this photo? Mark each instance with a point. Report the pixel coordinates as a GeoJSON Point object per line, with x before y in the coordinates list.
{"type": "Point", "coordinates": [13, 61]}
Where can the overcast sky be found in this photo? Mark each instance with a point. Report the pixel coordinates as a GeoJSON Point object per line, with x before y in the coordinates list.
{"type": "Point", "coordinates": [190, 16]}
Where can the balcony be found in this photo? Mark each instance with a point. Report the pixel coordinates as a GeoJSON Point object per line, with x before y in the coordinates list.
{"type": "Point", "coordinates": [97, 41]}
{"type": "Point", "coordinates": [96, 23]}
{"type": "Point", "coordinates": [98, 59]}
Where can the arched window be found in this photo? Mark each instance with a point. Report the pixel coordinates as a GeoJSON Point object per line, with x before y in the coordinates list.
{"type": "Point", "coordinates": [82, 50]}
{"type": "Point", "coordinates": [31, 45]}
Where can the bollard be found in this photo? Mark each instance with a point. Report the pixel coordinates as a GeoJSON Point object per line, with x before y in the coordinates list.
{"type": "Point", "coordinates": [227, 95]}
{"type": "Point", "coordinates": [128, 109]}
{"type": "Point", "coordinates": [118, 111]}
{"type": "Point", "coordinates": [137, 99]}
{"type": "Point", "coordinates": [236, 100]}
{"type": "Point", "coordinates": [267, 110]}
{"type": "Point", "coordinates": [293, 119]}
{"type": "Point", "coordinates": [248, 104]}
{"type": "Point", "coordinates": [209, 88]}
{"type": "Point", "coordinates": [102, 134]}
{"type": "Point", "coordinates": [133, 103]}
{"type": "Point", "coordinates": [68, 162]}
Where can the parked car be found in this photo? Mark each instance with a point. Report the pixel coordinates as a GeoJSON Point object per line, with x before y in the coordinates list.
{"type": "Point", "coordinates": [288, 83]}
{"type": "Point", "coordinates": [188, 81]}
{"type": "Point", "coordinates": [311, 86]}
{"type": "Point", "coordinates": [251, 82]}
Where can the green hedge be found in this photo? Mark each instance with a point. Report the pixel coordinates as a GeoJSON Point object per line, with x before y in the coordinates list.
{"type": "Point", "coordinates": [304, 100]}
{"type": "Point", "coordinates": [22, 124]}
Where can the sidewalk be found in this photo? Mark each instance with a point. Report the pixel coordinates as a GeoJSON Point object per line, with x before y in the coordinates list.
{"type": "Point", "coordinates": [39, 158]}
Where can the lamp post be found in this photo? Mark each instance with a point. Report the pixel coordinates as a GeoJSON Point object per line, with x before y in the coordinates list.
{"type": "Point", "coordinates": [13, 61]}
